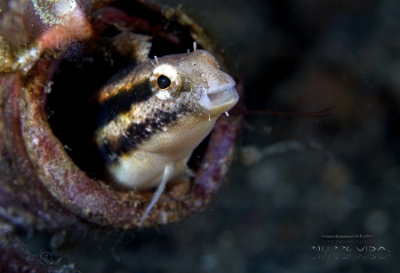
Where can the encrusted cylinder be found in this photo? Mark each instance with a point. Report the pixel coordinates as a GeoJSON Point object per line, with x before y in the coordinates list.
{"type": "Point", "coordinates": [41, 186]}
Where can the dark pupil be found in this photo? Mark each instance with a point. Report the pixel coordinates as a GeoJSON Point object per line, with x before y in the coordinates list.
{"type": "Point", "coordinates": [163, 82]}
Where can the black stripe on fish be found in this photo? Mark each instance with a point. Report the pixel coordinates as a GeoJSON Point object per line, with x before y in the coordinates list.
{"type": "Point", "coordinates": [122, 102]}
{"type": "Point", "coordinates": [136, 133]}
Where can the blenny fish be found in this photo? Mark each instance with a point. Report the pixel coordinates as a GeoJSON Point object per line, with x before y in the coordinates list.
{"type": "Point", "coordinates": [153, 116]}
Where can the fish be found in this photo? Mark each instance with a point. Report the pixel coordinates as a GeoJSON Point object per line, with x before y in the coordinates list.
{"type": "Point", "coordinates": [154, 115]}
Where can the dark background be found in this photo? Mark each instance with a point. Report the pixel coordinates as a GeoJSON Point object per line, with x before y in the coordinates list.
{"type": "Point", "coordinates": [337, 175]}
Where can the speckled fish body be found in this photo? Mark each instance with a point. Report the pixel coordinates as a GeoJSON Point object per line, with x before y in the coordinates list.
{"type": "Point", "coordinates": [155, 115]}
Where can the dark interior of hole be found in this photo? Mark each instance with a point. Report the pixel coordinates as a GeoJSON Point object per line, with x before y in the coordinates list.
{"type": "Point", "coordinates": [72, 106]}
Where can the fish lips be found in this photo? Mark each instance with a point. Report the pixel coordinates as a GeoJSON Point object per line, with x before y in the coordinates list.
{"type": "Point", "coordinates": [218, 101]}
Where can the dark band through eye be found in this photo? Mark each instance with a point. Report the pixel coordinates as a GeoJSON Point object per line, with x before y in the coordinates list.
{"type": "Point", "coordinates": [163, 82]}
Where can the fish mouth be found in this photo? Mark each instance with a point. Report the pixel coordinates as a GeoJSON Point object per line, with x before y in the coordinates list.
{"type": "Point", "coordinates": [219, 101]}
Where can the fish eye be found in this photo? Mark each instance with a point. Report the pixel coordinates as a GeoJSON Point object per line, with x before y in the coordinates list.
{"type": "Point", "coordinates": [163, 82]}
